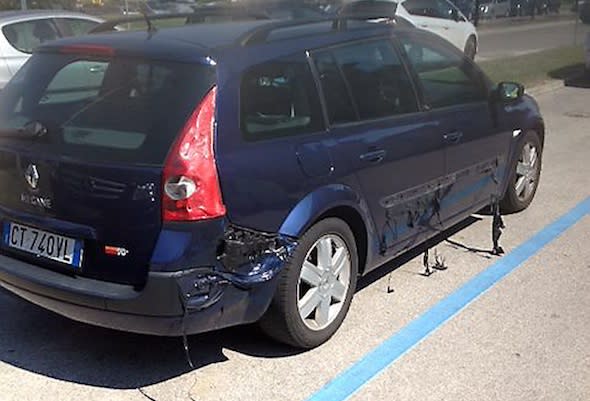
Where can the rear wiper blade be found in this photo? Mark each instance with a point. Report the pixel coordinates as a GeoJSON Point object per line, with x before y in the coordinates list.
{"type": "Point", "coordinates": [34, 129]}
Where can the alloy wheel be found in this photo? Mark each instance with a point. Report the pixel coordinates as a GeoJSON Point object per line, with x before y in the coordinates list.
{"type": "Point", "coordinates": [324, 282]}
{"type": "Point", "coordinates": [527, 172]}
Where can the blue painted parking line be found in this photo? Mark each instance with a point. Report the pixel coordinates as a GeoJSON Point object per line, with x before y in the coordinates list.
{"type": "Point", "coordinates": [371, 365]}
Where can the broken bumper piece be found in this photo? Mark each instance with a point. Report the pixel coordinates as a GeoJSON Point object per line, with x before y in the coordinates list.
{"type": "Point", "coordinates": [171, 303]}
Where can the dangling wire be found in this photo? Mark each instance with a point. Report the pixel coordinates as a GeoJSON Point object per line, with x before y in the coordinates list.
{"type": "Point", "coordinates": [497, 227]}
{"type": "Point", "coordinates": [185, 344]}
{"type": "Point", "coordinates": [427, 271]}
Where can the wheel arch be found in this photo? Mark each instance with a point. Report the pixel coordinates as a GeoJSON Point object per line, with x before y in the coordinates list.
{"type": "Point", "coordinates": [356, 224]}
{"type": "Point", "coordinates": [539, 127]}
{"type": "Point", "coordinates": [338, 201]}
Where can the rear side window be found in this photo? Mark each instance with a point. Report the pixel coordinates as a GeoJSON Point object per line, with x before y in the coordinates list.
{"type": "Point", "coordinates": [376, 78]}
{"type": "Point", "coordinates": [27, 36]}
{"type": "Point", "coordinates": [117, 109]}
{"type": "Point", "coordinates": [75, 26]}
{"type": "Point", "coordinates": [336, 93]}
{"type": "Point", "coordinates": [447, 78]}
{"type": "Point", "coordinates": [279, 98]}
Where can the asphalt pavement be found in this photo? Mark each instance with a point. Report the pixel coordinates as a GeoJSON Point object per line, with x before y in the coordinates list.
{"type": "Point", "coordinates": [514, 38]}
{"type": "Point", "coordinates": [526, 338]}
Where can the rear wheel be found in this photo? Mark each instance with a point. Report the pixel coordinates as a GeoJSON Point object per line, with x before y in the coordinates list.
{"type": "Point", "coordinates": [470, 48]}
{"type": "Point", "coordinates": [524, 176]}
{"type": "Point", "coordinates": [315, 288]}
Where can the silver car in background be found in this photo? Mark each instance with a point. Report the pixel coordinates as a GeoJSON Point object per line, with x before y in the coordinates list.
{"type": "Point", "coordinates": [22, 31]}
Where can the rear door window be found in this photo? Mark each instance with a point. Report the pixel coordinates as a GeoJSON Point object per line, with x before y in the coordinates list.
{"type": "Point", "coordinates": [336, 93]}
{"type": "Point", "coordinates": [376, 79]}
{"type": "Point", "coordinates": [75, 26]}
{"type": "Point", "coordinates": [279, 98]}
{"type": "Point", "coordinates": [117, 109]}
{"type": "Point", "coordinates": [27, 36]}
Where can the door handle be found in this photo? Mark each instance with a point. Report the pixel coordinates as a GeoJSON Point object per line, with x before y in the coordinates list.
{"type": "Point", "coordinates": [453, 137]}
{"type": "Point", "coordinates": [374, 156]}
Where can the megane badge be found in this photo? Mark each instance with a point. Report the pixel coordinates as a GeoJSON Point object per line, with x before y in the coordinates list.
{"type": "Point", "coordinates": [32, 176]}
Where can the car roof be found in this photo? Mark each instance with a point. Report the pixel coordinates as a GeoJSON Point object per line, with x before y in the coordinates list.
{"type": "Point", "coordinates": [191, 43]}
{"type": "Point", "coordinates": [214, 35]}
{"type": "Point", "coordinates": [19, 15]}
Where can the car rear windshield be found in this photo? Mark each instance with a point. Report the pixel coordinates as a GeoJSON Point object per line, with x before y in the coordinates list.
{"type": "Point", "coordinates": [114, 109]}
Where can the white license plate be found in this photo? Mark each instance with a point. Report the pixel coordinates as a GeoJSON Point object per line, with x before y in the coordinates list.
{"type": "Point", "coordinates": [44, 244]}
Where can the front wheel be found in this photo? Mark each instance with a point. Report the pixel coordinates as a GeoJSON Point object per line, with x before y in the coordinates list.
{"type": "Point", "coordinates": [524, 178]}
{"type": "Point", "coordinates": [316, 287]}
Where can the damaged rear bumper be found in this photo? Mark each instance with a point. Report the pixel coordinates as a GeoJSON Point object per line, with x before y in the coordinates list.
{"type": "Point", "coordinates": [171, 303]}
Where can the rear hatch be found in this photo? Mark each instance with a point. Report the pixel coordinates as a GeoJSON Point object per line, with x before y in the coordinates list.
{"type": "Point", "coordinates": [84, 135]}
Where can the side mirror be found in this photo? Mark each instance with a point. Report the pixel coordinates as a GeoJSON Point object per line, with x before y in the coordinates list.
{"type": "Point", "coordinates": [509, 91]}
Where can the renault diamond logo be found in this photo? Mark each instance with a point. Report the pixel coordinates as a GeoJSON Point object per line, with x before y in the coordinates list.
{"type": "Point", "coordinates": [32, 176]}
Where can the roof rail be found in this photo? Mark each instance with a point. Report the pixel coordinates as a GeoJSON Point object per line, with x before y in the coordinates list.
{"type": "Point", "coordinates": [191, 18]}
{"type": "Point", "coordinates": [339, 23]}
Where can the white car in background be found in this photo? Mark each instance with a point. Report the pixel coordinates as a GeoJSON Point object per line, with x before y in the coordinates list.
{"type": "Point", "coordinates": [438, 16]}
{"type": "Point", "coordinates": [444, 19]}
{"type": "Point", "coordinates": [22, 31]}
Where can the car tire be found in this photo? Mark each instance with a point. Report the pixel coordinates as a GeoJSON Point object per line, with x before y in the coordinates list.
{"type": "Point", "coordinates": [470, 48]}
{"type": "Point", "coordinates": [524, 176]}
{"type": "Point", "coordinates": [310, 278]}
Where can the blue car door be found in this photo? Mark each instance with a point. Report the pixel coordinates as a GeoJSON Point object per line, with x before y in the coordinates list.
{"type": "Point", "coordinates": [457, 95]}
{"type": "Point", "coordinates": [380, 133]}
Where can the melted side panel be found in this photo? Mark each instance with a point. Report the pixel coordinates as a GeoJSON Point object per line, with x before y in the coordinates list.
{"type": "Point", "coordinates": [419, 208]}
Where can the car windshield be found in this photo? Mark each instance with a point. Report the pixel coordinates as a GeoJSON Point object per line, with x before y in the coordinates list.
{"type": "Point", "coordinates": [103, 109]}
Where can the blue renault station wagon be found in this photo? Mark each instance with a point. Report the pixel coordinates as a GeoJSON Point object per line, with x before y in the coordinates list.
{"type": "Point", "coordinates": [182, 180]}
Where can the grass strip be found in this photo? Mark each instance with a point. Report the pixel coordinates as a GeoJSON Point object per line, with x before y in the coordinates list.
{"type": "Point", "coordinates": [536, 68]}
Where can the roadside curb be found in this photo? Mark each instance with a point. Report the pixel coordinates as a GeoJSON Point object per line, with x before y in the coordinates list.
{"type": "Point", "coordinates": [549, 86]}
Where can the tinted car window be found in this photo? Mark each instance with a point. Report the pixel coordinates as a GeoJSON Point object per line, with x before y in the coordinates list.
{"type": "Point", "coordinates": [26, 36]}
{"type": "Point", "coordinates": [379, 84]}
{"type": "Point", "coordinates": [336, 94]}
{"type": "Point", "coordinates": [75, 26]}
{"type": "Point", "coordinates": [75, 82]}
{"type": "Point", "coordinates": [424, 8]}
{"type": "Point", "coordinates": [370, 7]}
{"type": "Point", "coordinates": [107, 110]}
{"type": "Point", "coordinates": [279, 98]}
{"type": "Point", "coordinates": [445, 9]}
{"type": "Point", "coordinates": [447, 78]}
